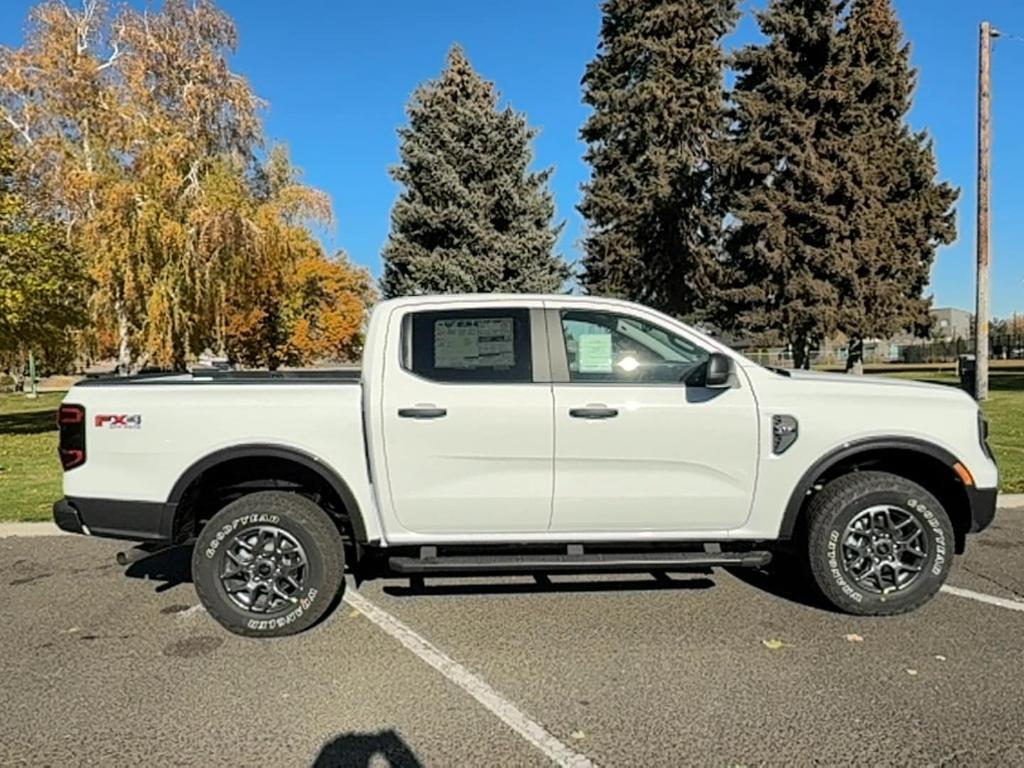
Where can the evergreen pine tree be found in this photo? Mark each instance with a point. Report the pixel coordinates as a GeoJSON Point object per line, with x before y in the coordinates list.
{"type": "Point", "coordinates": [656, 88]}
{"type": "Point", "coordinates": [787, 248]}
{"type": "Point", "coordinates": [472, 216]}
{"type": "Point", "coordinates": [899, 214]}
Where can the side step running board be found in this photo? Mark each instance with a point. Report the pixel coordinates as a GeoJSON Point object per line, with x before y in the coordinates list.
{"type": "Point", "coordinates": [577, 563]}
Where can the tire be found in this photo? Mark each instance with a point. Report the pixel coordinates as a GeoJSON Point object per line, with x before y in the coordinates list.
{"type": "Point", "coordinates": [285, 545]}
{"type": "Point", "coordinates": [847, 539]}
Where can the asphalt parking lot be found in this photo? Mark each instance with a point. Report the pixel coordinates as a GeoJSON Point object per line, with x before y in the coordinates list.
{"type": "Point", "coordinates": [102, 664]}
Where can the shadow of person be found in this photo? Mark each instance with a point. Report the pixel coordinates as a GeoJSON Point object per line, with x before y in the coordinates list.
{"type": "Point", "coordinates": [356, 750]}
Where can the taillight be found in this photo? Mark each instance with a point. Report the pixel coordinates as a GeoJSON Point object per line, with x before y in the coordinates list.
{"type": "Point", "coordinates": [71, 422]}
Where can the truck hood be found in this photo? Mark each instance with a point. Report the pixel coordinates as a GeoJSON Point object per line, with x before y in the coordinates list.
{"type": "Point", "coordinates": [890, 385]}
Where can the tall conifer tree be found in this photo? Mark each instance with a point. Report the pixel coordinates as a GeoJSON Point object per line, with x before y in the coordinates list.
{"type": "Point", "coordinates": [472, 216]}
{"type": "Point", "coordinates": [788, 248]}
{"type": "Point", "coordinates": [899, 213]}
{"type": "Point", "coordinates": [656, 88]}
{"type": "Point", "coordinates": [836, 210]}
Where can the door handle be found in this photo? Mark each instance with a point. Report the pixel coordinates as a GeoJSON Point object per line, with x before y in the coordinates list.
{"type": "Point", "coordinates": [594, 412]}
{"type": "Point", "coordinates": [424, 412]}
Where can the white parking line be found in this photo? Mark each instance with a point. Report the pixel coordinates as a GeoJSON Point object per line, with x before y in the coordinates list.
{"type": "Point", "coordinates": [498, 705]}
{"type": "Point", "coordinates": [981, 597]}
{"type": "Point", "coordinates": [506, 711]}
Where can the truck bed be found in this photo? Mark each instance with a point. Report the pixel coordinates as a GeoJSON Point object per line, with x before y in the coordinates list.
{"type": "Point", "coordinates": [148, 437]}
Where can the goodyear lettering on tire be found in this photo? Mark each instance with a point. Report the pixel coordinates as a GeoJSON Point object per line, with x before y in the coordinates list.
{"type": "Point", "coordinates": [241, 521]}
{"type": "Point", "coordinates": [940, 537]}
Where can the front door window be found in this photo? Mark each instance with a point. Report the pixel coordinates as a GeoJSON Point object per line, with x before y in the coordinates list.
{"type": "Point", "coordinates": [609, 348]}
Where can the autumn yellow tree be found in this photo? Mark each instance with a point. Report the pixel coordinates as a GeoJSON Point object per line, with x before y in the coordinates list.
{"type": "Point", "coordinates": [41, 284]}
{"type": "Point", "coordinates": [287, 304]}
{"type": "Point", "coordinates": [57, 95]}
{"type": "Point", "coordinates": [149, 149]}
{"type": "Point", "coordinates": [327, 301]}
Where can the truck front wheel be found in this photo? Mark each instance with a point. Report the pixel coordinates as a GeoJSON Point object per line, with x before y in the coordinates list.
{"type": "Point", "coordinates": [878, 544]}
{"type": "Point", "coordinates": [268, 564]}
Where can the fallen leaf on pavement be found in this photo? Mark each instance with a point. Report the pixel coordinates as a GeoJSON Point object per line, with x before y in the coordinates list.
{"type": "Point", "coordinates": [855, 638]}
{"type": "Point", "coordinates": [772, 645]}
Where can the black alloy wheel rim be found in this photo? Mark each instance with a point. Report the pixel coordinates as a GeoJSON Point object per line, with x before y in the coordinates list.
{"type": "Point", "coordinates": [263, 569]}
{"type": "Point", "coordinates": [884, 549]}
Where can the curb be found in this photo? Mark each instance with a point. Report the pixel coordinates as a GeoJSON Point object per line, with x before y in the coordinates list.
{"type": "Point", "coordinates": [30, 529]}
{"type": "Point", "coordinates": [1010, 501]}
{"type": "Point", "coordinates": [1006, 501]}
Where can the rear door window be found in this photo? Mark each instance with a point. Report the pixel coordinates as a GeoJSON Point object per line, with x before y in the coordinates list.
{"type": "Point", "coordinates": [470, 345]}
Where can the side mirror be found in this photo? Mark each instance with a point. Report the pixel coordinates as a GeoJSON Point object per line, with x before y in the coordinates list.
{"type": "Point", "coordinates": [719, 371]}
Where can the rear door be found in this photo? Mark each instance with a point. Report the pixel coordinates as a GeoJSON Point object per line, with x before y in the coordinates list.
{"type": "Point", "coordinates": [637, 448]}
{"type": "Point", "coordinates": [468, 425]}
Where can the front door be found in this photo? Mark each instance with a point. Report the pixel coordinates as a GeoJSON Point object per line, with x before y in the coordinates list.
{"type": "Point", "coordinates": [636, 448]}
{"type": "Point", "coordinates": [468, 435]}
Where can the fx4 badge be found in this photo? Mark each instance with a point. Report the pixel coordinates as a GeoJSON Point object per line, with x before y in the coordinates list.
{"type": "Point", "coordinates": [119, 420]}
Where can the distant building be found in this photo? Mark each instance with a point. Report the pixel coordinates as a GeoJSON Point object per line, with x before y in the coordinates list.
{"type": "Point", "coordinates": [950, 323]}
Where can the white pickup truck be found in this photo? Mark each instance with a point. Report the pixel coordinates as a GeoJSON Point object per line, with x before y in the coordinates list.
{"type": "Point", "coordinates": [527, 435]}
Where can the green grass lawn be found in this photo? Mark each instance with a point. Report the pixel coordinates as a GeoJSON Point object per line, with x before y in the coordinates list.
{"type": "Point", "coordinates": [30, 475]}
{"type": "Point", "coordinates": [1005, 413]}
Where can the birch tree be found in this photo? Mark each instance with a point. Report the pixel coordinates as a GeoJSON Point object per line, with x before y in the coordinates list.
{"type": "Point", "coordinates": [149, 150]}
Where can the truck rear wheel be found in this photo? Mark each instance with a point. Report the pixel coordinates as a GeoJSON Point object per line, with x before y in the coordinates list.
{"type": "Point", "coordinates": [269, 564]}
{"type": "Point", "coordinates": [878, 544]}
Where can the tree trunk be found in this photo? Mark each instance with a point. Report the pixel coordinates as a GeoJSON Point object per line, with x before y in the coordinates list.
{"type": "Point", "coordinates": [181, 352]}
{"type": "Point", "coordinates": [855, 356]}
{"type": "Point", "coordinates": [221, 343]}
{"type": "Point", "coordinates": [801, 353]}
{"type": "Point", "coordinates": [124, 350]}
{"type": "Point", "coordinates": [18, 371]}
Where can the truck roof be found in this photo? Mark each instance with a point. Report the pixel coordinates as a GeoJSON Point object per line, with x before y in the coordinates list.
{"type": "Point", "coordinates": [499, 298]}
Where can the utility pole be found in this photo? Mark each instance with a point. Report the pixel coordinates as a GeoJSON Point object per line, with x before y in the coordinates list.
{"type": "Point", "coordinates": [982, 311]}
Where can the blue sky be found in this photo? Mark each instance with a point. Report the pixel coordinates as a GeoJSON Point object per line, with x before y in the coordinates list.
{"type": "Point", "coordinates": [338, 73]}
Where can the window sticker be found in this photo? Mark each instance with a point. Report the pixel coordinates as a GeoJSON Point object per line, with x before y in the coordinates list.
{"type": "Point", "coordinates": [474, 343]}
{"type": "Point", "coordinates": [594, 353]}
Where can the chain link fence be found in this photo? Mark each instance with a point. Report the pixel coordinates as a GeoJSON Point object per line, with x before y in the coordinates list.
{"type": "Point", "coordinates": [930, 351]}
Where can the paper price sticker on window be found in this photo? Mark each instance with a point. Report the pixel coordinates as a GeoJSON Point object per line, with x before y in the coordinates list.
{"type": "Point", "coordinates": [467, 344]}
{"type": "Point", "coordinates": [594, 353]}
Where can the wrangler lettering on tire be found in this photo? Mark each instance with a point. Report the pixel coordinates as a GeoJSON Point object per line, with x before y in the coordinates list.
{"type": "Point", "coordinates": [877, 544]}
{"type": "Point", "coordinates": [269, 564]}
